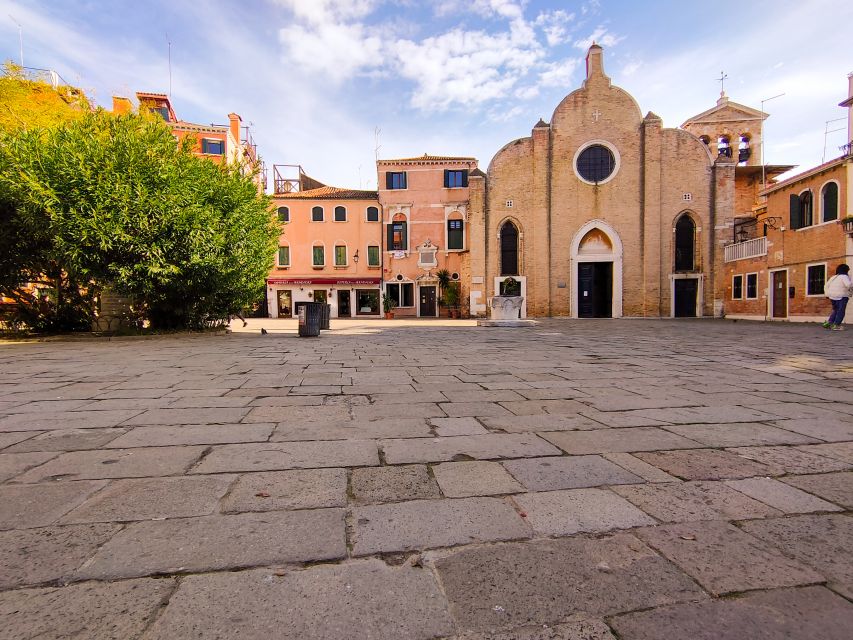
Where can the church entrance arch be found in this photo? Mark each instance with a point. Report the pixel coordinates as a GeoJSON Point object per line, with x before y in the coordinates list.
{"type": "Point", "coordinates": [596, 264]}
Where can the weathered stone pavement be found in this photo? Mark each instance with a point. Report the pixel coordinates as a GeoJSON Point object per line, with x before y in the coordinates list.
{"type": "Point", "coordinates": [571, 480]}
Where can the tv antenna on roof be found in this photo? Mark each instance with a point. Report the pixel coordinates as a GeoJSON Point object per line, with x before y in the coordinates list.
{"type": "Point", "coordinates": [169, 42]}
{"type": "Point", "coordinates": [20, 37]}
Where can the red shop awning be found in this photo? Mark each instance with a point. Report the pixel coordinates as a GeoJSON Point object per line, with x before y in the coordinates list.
{"type": "Point", "coordinates": [341, 282]}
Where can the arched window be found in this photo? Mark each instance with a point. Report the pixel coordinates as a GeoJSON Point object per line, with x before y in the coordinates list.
{"type": "Point", "coordinates": [284, 214]}
{"type": "Point", "coordinates": [724, 147]}
{"type": "Point", "coordinates": [340, 214]}
{"type": "Point", "coordinates": [397, 239]}
{"type": "Point", "coordinates": [829, 201]}
{"type": "Point", "coordinates": [455, 232]}
{"type": "Point", "coordinates": [801, 210]}
{"type": "Point", "coordinates": [685, 243]}
{"type": "Point", "coordinates": [317, 214]}
{"type": "Point", "coordinates": [509, 249]}
{"type": "Point", "coordinates": [705, 140]}
{"type": "Point", "coordinates": [743, 150]}
{"type": "Point", "coordinates": [372, 214]}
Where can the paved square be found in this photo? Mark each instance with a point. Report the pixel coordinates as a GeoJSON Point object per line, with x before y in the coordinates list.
{"type": "Point", "coordinates": [571, 479]}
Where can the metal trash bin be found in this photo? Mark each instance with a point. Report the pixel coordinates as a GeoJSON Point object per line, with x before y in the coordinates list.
{"type": "Point", "coordinates": [325, 315]}
{"type": "Point", "coordinates": [309, 319]}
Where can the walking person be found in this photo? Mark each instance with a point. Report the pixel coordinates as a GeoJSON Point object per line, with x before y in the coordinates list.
{"type": "Point", "coordinates": [838, 289]}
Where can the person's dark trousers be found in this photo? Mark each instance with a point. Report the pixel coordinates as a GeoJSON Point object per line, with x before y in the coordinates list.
{"type": "Point", "coordinates": [838, 309]}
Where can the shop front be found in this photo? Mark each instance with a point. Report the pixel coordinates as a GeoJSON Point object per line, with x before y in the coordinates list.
{"type": "Point", "coordinates": [348, 297]}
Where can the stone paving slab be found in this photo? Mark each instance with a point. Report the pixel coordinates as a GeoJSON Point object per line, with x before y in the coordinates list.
{"type": "Point", "coordinates": [48, 421]}
{"type": "Point", "coordinates": [564, 513]}
{"type": "Point", "coordinates": [830, 430]}
{"type": "Point", "coordinates": [580, 630]}
{"type": "Point", "coordinates": [14, 464]}
{"type": "Point", "coordinates": [457, 427]}
{"type": "Point", "coordinates": [365, 598]}
{"type": "Point", "coordinates": [492, 446]}
{"type": "Point", "coordinates": [90, 610]}
{"type": "Point", "coordinates": [372, 485]}
{"type": "Point", "coordinates": [706, 415]}
{"type": "Point", "coordinates": [644, 470]}
{"type": "Point", "coordinates": [542, 407]}
{"type": "Point", "coordinates": [625, 440]}
{"type": "Point", "coordinates": [475, 478]}
{"type": "Point", "coordinates": [38, 406]}
{"type": "Point", "coordinates": [508, 585]}
{"type": "Point", "coordinates": [781, 496]}
{"type": "Point", "coordinates": [724, 559]}
{"type": "Point", "coordinates": [739, 434]}
{"type": "Point", "coordinates": [546, 422]}
{"type": "Point", "coordinates": [462, 409]}
{"type": "Point", "coordinates": [835, 487]}
{"type": "Point", "coordinates": [47, 554]}
{"type": "Point", "coordinates": [289, 455]}
{"type": "Point", "coordinates": [114, 463]}
{"type": "Point", "coordinates": [352, 430]}
{"type": "Point", "coordinates": [152, 499]}
{"type": "Point", "coordinates": [14, 437]}
{"type": "Point", "coordinates": [704, 464]}
{"type": "Point", "coordinates": [282, 490]}
{"type": "Point", "coordinates": [568, 472]}
{"type": "Point", "coordinates": [192, 434]}
{"type": "Point", "coordinates": [692, 501]}
{"type": "Point", "coordinates": [414, 410]}
{"type": "Point", "coordinates": [781, 460]}
{"type": "Point", "coordinates": [822, 542]}
{"type": "Point", "coordinates": [213, 543]}
{"type": "Point", "coordinates": [842, 451]}
{"type": "Point", "coordinates": [427, 524]}
{"type": "Point", "coordinates": [67, 440]}
{"type": "Point", "coordinates": [794, 614]}
{"type": "Point", "coordinates": [188, 416]}
{"type": "Point", "coordinates": [28, 506]}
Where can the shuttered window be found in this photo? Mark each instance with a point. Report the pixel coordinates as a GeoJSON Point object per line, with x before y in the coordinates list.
{"type": "Point", "coordinates": [284, 256]}
{"type": "Point", "coordinates": [395, 180]}
{"type": "Point", "coordinates": [373, 256]}
{"type": "Point", "coordinates": [454, 178]}
{"type": "Point", "coordinates": [397, 240]}
{"type": "Point", "coordinates": [318, 256]}
{"type": "Point", "coordinates": [455, 235]}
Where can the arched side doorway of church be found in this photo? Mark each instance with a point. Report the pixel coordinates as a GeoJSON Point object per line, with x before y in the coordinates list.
{"type": "Point", "coordinates": [596, 263]}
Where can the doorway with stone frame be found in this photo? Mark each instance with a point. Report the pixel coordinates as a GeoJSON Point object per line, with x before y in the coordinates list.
{"type": "Point", "coordinates": [596, 272]}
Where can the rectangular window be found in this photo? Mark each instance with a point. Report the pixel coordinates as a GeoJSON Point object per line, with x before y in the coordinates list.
{"type": "Point", "coordinates": [815, 279]}
{"type": "Point", "coordinates": [213, 147]}
{"type": "Point", "coordinates": [283, 214]}
{"type": "Point", "coordinates": [367, 302]}
{"type": "Point", "coordinates": [317, 214]}
{"type": "Point", "coordinates": [455, 239]}
{"type": "Point", "coordinates": [397, 240]}
{"type": "Point", "coordinates": [373, 256]}
{"type": "Point", "coordinates": [319, 256]}
{"type": "Point", "coordinates": [340, 214]}
{"type": "Point", "coordinates": [402, 293]}
{"type": "Point", "coordinates": [372, 214]}
{"type": "Point", "coordinates": [284, 256]}
{"type": "Point", "coordinates": [454, 178]}
{"type": "Point", "coordinates": [395, 180]}
{"type": "Point", "coordinates": [320, 295]}
{"type": "Point", "coordinates": [751, 286]}
{"type": "Point", "coordinates": [737, 288]}
{"type": "Point", "coordinates": [340, 256]}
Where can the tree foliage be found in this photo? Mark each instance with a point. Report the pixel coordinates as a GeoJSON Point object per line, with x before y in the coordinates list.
{"type": "Point", "coordinates": [116, 200]}
{"type": "Point", "coordinates": [31, 102]}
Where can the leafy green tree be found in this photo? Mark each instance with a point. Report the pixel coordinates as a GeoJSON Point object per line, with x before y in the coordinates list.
{"type": "Point", "coordinates": [28, 102]}
{"type": "Point", "coordinates": [116, 200]}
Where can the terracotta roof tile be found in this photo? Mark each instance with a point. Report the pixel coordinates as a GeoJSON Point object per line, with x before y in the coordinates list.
{"type": "Point", "coordinates": [329, 193]}
{"type": "Point", "coordinates": [428, 158]}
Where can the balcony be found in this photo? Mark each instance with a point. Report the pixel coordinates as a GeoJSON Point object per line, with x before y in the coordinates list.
{"type": "Point", "coordinates": [748, 249]}
{"type": "Point", "coordinates": [847, 223]}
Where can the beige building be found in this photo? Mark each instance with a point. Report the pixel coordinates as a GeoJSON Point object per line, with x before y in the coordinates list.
{"type": "Point", "coordinates": [603, 212]}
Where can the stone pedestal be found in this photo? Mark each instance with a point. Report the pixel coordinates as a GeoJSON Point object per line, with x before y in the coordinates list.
{"type": "Point", "coordinates": [505, 312]}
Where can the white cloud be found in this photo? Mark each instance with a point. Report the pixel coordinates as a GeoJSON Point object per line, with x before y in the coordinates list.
{"type": "Point", "coordinates": [336, 49]}
{"type": "Point", "coordinates": [599, 36]}
{"type": "Point", "coordinates": [555, 25]}
{"type": "Point", "coordinates": [558, 74]}
{"type": "Point", "coordinates": [526, 93]}
{"type": "Point", "coordinates": [325, 11]}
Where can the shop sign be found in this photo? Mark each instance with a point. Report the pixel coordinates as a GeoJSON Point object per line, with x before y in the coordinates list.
{"type": "Point", "coordinates": [341, 282]}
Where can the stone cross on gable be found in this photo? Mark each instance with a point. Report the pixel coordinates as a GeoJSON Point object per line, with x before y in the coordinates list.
{"type": "Point", "coordinates": [722, 80]}
{"type": "Point", "coordinates": [596, 115]}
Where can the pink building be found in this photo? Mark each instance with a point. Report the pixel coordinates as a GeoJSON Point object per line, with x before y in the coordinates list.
{"type": "Point", "coordinates": [329, 249]}
{"type": "Point", "coordinates": [424, 204]}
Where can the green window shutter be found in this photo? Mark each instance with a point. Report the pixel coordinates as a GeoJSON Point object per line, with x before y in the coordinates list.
{"type": "Point", "coordinates": [373, 256]}
{"type": "Point", "coordinates": [405, 237]}
{"type": "Point", "coordinates": [284, 256]}
{"type": "Point", "coordinates": [319, 257]}
{"type": "Point", "coordinates": [389, 240]}
{"type": "Point", "coordinates": [794, 211]}
{"type": "Point", "coordinates": [340, 256]}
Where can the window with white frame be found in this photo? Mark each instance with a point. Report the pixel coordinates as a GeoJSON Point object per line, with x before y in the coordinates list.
{"type": "Point", "coordinates": [829, 201]}
{"type": "Point", "coordinates": [373, 255]}
{"type": "Point", "coordinates": [340, 214]}
{"type": "Point", "coordinates": [751, 286]}
{"type": "Point", "coordinates": [284, 214]}
{"type": "Point", "coordinates": [317, 214]}
{"type": "Point", "coordinates": [737, 287]}
{"type": "Point", "coordinates": [340, 255]}
{"type": "Point", "coordinates": [402, 293]}
{"type": "Point", "coordinates": [318, 256]}
{"type": "Point", "coordinates": [373, 214]}
{"type": "Point", "coordinates": [815, 279]}
{"type": "Point", "coordinates": [212, 147]}
{"type": "Point", "coordinates": [284, 256]}
{"type": "Point", "coordinates": [455, 234]}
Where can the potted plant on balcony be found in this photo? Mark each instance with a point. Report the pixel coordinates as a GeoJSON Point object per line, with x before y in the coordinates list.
{"type": "Point", "coordinates": [388, 306]}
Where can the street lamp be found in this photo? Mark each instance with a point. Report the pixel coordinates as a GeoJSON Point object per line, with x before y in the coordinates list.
{"type": "Point", "coordinates": [355, 257]}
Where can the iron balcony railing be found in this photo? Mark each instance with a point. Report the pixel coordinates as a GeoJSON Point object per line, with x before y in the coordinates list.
{"type": "Point", "coordinates": [747, 249]}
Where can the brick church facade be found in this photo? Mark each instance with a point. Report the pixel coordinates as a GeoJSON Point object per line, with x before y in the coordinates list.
{"type": "Point", "coordinates": [602, 212]}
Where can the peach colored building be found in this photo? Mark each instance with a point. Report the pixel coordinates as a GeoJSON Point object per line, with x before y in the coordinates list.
{"type": "Point", "coordinates": [221, 143]}
{"type": "Point", "coordinates": [329, 249]}
{"type": "Point", "coordinates": [424, 203]}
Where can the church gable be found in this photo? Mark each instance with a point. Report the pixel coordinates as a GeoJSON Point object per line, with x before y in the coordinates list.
{"type": "Point", "coordinates": [725, 111]}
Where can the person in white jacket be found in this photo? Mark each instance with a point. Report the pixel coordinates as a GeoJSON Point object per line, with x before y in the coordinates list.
{"type": "Point", "coordinates": [837, 289]}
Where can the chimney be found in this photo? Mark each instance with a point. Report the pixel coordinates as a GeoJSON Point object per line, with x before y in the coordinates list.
{"type": "Point", "coordinates": [122, 105]}
{"type": "Point", "coordinates": [234, 124]}
{"type": "Point", "coordinates": [594, 61]}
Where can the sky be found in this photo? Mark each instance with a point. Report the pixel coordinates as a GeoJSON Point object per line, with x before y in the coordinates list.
{"type": "Point", "coordinates": [329, 84]}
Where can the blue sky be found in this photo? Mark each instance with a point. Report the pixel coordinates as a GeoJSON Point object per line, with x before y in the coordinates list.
{"type": "Point", "coordinates": [316, 78]}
